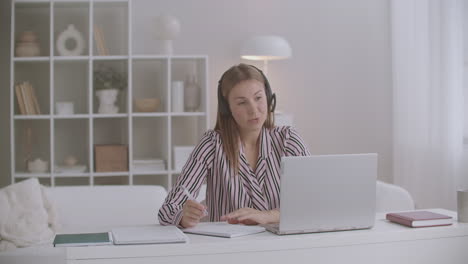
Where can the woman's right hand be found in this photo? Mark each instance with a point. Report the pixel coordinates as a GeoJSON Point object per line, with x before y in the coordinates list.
{"type": "Point", "coordinates": [192, 212]}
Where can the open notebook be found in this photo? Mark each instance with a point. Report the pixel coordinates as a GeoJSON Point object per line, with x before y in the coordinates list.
{"type": "Point", "coordinates": [153, 234]}
{"type": "Point", "coordinates": [223, 229]}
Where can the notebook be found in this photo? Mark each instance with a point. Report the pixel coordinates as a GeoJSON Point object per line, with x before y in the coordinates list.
{"type": "Point", "coordinates": [326, 193]}
{"type": "Point", "coordinates": [83, 239]}
{"type": "Point", "coordinates": [420, 219]}
{"type": "Point", "coordinates": [224, 229]}
{"type": "Point", "coordinates": [154, 234]}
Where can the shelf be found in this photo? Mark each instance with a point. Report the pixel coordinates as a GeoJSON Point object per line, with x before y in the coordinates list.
{"type": "Point", "coordinates": [136, 173]}
{"type": "Point", "coordinates": [110, 174]}
{"type": "Point", "coordinates": [182, 114]}
{"type": "Point", "coordinates": [108, 58]}
{"type": "Point", "coordinates": [71, 175]}
{"type": "Point", "coordinates": [31, 117]}
{"type": "Point", "coordinates": [31, 175]}
{"type": "Point", "coordinates": [72, 119]}
{"type": "Point", "coordinates": [71, 58]}
{"type": "Point", "coordinates": [109, 115]}
{"type": "Point", "coordinates": [26, 59]}
{"type": "Point", "coordinates": [80, 116]}
{"type": "Point", "coordinates": [150, 114]}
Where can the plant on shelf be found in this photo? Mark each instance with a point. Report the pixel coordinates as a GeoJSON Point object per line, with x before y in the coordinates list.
{"type": "Point", "coordinates": [107, 83]}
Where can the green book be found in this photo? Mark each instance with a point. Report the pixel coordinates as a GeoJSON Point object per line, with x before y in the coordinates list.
{"type": "Point", "coordinates": [83, 239]}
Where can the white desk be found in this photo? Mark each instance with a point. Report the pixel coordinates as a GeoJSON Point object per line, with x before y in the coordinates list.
{"type": "Point", "coordinates": [386, 242]}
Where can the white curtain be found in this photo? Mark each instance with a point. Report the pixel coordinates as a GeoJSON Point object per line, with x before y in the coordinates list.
{"type": "Point", "coordinates": [427, 53]}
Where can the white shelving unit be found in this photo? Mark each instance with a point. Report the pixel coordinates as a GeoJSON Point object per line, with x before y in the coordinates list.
{"type": "Point", "coordinates": [52, 137]}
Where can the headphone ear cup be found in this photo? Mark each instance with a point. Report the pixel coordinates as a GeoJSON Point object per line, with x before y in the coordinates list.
{"type": "Point", "coordinates": [272, 103]}
{"type": "Point", "coordinates": [223, 107]}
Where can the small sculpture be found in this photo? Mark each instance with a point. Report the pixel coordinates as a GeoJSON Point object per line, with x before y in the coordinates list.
{"type": "Point", "coordinates": [27, 45]}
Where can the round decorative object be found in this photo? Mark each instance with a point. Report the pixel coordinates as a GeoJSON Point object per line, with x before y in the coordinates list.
{"type": "Point", "coordinates": [70, 42]}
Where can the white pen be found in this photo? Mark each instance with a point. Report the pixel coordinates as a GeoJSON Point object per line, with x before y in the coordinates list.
{"type": "Point", "coordinates": [190, 196]}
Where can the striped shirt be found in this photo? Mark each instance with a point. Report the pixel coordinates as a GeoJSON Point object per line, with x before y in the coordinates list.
{"type": "Point", "coordinates": [225, 192]}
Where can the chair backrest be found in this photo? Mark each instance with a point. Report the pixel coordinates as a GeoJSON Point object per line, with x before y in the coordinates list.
{"type": "Point", "coordinates": [390, 197]}
{"type": "Point", "coordinates": [81, 208]}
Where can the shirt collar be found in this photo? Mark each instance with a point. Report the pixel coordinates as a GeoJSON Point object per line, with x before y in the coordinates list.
{"type": "Point", "coordinates": [265, 143]}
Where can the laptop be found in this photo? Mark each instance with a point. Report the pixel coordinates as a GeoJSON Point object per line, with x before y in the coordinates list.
{"type": "Point", "coordinates": [326, 193]}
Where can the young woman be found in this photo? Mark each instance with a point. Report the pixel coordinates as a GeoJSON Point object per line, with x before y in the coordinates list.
{"type": "Point", "coordinates": [239, 160]}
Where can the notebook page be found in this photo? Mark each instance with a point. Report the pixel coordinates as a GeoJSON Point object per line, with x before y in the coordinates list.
{"type": "Point", "coordinates": [224, 229]}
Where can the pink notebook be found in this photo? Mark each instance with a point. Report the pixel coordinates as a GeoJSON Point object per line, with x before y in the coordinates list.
{"type": "Point", "coordinates": [420, 219]}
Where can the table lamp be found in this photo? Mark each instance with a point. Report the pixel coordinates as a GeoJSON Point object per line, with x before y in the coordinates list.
{"type": "Point", "coordinates": [265, 48]}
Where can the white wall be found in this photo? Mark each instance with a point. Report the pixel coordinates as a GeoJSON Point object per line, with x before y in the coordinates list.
{"type": "Point", "coordinates": [338, 82]}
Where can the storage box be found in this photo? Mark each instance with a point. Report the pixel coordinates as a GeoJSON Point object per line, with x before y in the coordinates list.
{"type": "Point", "coordinates": [109, 158]}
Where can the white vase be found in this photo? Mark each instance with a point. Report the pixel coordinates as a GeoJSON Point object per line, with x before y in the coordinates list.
{"type": "Point", "coordinates": [107, 99]}
{"type": "Point", "coordinates": [177, 96]}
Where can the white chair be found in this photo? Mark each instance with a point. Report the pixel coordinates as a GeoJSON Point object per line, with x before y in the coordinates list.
{"type": "Point", "coordinates": [390, 197]}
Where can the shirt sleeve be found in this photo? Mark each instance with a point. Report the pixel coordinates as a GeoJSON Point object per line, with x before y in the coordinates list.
{"type": "Point", "coordinates": [192, 176]}
{"type": "Point", "coordinates": [294, 144]}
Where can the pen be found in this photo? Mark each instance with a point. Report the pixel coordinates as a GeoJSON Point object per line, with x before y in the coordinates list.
{"type": "Point", "coordinates": [190, 196]}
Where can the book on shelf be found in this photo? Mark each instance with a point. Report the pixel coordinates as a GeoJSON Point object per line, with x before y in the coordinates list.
{"type": "Point", "coordinates": [100, 42]}
{"type": "Point", "coordinates": [224, 229]}
{"type": "Point", "coordinates": [27, 99]}
{"type": "Point", "coordinates": [83, 239]}
{"type": "Point", "coordinates": [420, 218]}
{"type": "Point", "coordinates": [19, 97]}
{"type": "Point", "coordinates": [37, 110]}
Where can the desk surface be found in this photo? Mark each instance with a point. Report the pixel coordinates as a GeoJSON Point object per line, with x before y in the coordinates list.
{"type": "Point", "coordinates": [383, 232]}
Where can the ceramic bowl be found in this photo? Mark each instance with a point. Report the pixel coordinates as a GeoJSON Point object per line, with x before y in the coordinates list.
{"type": "Point", "coordinates": [38, 166]}
{"type": "Point", "coordinates": [146, 104]}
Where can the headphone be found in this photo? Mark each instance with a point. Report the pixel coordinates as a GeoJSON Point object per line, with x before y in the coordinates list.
{"type": "Point", "coordinates": [223, 106]}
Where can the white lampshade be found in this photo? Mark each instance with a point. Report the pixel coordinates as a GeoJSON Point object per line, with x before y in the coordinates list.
{"type": "Point", "coordinates": [265, 48]}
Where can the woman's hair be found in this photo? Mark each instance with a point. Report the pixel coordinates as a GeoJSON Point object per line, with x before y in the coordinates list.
{"type": "Point", "coordinates": [226, 126]}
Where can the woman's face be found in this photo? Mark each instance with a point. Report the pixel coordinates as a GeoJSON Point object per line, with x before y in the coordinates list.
{"type": "Point", "coordinates": [248, 104]}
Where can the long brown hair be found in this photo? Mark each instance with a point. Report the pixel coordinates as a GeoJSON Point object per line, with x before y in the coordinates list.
{"type": "Point", "coordinates": [226, 126]}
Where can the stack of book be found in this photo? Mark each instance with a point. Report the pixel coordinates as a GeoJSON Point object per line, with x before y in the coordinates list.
{"type": "Point", "coordinates": [420, 218]}
{"type": "Point", "coordinates": [149, 165]}
{"type": "Point", "coordinates": [27, 100]}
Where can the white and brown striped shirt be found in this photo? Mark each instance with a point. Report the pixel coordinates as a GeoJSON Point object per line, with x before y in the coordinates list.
{"type": "Point", "coordinates": [225, 192]}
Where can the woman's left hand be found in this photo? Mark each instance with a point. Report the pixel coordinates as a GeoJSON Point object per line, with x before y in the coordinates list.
{"type": "Point", "coordinates": [250, 216]}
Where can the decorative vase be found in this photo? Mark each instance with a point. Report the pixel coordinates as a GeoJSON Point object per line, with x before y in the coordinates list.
{"type": "Point", "coordinates": [107, 99]}
{"type": "Point", "coordinates": [191, 95]}
{"type": "Point", "coordinates": [27, 49]}
{"type": "Point", "coordinates": [70, 42]}
{"type": "Point", "coordinates": [27, 45]}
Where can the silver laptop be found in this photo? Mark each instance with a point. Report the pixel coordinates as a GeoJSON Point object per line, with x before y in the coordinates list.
{"type": "Point", "coordinates": [327, 193]}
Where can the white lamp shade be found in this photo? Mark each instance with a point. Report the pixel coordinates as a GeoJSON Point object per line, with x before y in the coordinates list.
{"type": "Point", "coordinates": [266, 48]}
